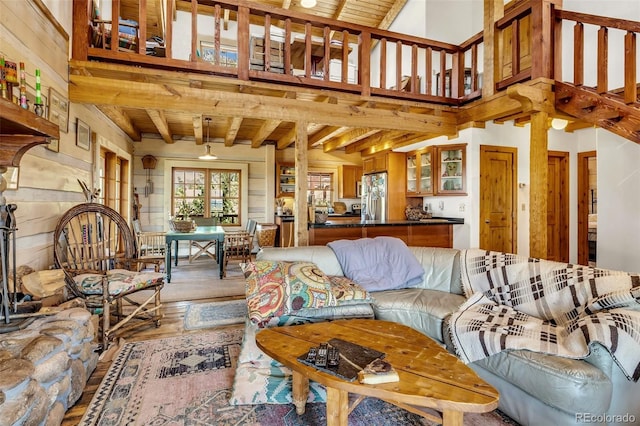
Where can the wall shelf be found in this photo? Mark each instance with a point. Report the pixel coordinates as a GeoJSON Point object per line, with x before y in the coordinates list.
{"type": "Point", "coordinates": [21, 130]}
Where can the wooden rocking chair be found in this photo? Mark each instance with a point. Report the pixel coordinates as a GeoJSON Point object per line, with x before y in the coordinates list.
{"type": "Point", "coordinates": [95, 248]}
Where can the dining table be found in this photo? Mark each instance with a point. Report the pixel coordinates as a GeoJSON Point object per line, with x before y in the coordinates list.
{"type": "Point", "coordinates": [201, 233]}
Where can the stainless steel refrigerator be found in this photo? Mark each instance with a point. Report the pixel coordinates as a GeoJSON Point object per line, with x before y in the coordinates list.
{"type": "Point", "coordinates": [374, 196]}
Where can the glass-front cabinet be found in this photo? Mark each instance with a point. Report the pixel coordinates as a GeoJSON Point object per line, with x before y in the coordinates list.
{"type": "Point", "coordinates": [420, 172]}
{"type": "Point", "coordinates": [286, 179]}
{"type": "Point", "coordinates": [451, 169]}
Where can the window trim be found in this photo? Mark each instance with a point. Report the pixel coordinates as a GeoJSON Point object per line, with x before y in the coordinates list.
{"type": "Point", "coordinates": [199, 164]}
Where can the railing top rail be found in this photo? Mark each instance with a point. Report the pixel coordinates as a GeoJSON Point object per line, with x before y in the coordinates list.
{"type": "Point", "coordinates": [620, 24]}
{"type": "Point", "coordinates": [474, 39]}
{"type": "Point", "coordinates": [513, 13]}
{"type": "Point", "coordinates": [355, 29]}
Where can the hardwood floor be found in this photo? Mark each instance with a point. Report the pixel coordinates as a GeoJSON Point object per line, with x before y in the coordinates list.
{"type": "Point", "coordinates": [186, 276]}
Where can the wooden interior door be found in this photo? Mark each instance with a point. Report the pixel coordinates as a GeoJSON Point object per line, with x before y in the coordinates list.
{"type": "Point", "coordinates": [558, 207]}
{"type": "Point", "coordinates": [583, 206]}
{"type": "Point", "coordinates": [498, 177]}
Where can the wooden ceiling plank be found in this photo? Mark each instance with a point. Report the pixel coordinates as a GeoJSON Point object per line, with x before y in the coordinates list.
{"type": "Point", "coordinates": [232, 130]}
{"type": "Point", "coordinates": [348, 138]}
{"type": "Point", "coordinates": [325, 134]}
{"type": "Point", "coordinates": [263, 133]}
{"type": "Point", "coordinates": [122, 120]}
{"type": "Point", "coordinates": [134, 94]}
{"type": "Point", "coordinates": [372, 140]}
{"type": "Point", "coordinates": [197, 128]}
{"type": "Point", "coordinates": [160, 121]}
{"type": "Point", "coordinates": [287, 139]}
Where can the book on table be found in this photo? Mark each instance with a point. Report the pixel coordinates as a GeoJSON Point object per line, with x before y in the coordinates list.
{"type": "Point", "coordinates": [349, 361]}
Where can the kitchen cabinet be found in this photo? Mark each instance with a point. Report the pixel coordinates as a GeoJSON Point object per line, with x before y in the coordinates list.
{"type": "Point", "coordinates": [285, 180]}
{"type": "Point", "coordinates": [451, 173]}
{"type": "Point", "coordinates": [349, 178]}
{"type": "Point", "coordinates": [284, 236]}
{"type": "Point", "coordinates": [394, 164]}
{"type": "Point", "coordinates": [420, 173]}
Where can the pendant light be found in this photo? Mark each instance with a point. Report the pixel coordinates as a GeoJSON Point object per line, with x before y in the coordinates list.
{"type": "Point", "coordinates": [208, 155]}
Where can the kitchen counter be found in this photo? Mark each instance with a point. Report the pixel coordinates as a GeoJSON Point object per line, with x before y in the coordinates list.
{"type": "Point", "coordinates": [370, 223]}
{"type": "Point", "coordinates": [435, 232]}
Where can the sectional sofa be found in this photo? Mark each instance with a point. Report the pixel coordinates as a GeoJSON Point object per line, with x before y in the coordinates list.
{"type": "Point", "coordinates": [535, 388]}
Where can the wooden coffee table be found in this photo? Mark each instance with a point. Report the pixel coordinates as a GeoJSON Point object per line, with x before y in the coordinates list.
{"type": "Point", "coordinates": [430, 377]}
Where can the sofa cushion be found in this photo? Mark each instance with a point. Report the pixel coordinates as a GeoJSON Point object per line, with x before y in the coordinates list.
{"type": "Point", "coordinates": [441, 268]}
{"type": "Point", "coordinates": [322, 256]}
{"type": "Point", "coordinates": [420, 309]}
{"type": "Point", "coordinates": [570, 385]}
{"type": "Point", "coordinates": [347, 292]}
{"type": "Point", "coordinates": [276, 288]}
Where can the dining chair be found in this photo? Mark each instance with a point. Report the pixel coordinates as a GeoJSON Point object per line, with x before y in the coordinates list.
{"type": "Point", "coordinates": [150, 247]}
{"type": "Point", "coordinates": [203, 247]}
{"type": "Point", "coordinates": [95, 248]}
{"type": "Point", "coordinates": [237, 246]}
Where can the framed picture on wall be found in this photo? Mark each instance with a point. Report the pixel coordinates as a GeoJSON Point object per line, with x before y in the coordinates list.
{"type": "Point", "coordinates": [58, 110]}
{"type": "Point", "coordinates": [53, 145]}
{"type": "Point", "coordinates": [83, 135]}
{"type": "Point", "coordinates": [11, 176]}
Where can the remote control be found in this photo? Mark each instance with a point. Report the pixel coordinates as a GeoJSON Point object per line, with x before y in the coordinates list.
{"type": "Point", "coordinates": [333, 357]}
{"type": "Point", "coordinates": [321, 359]}
{"type": "Point", "coordinates": [311, 356]}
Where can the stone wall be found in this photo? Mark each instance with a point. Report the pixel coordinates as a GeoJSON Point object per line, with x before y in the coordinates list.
{"type": "Point", "coordinates": [45, 366]}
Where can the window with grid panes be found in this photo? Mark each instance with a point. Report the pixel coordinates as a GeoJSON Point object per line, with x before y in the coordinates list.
{"type": "Point", "coordinates": [320, 187]}
{"type": "Point", "coordinates": [206, 193]}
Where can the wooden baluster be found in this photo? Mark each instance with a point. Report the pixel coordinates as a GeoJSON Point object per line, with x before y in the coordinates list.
{"type": "Point", "coordinates": [578, 54]}
{"type": "Point", "coordinates": [115, 25]}
{"type": "Point", "coordinates": [307, 50]}
{"type": "Point", "coordinates": [457, 74]}
{"type": "Point", "coordinates": [364, 63]}
{"type": "Point", "coordinates": [287, 46]}
{"type": "Point", "coordinates": [82, 18]}
{"type": "Point", "coordinates": [194, 31]}
{"type": "Point", "coordinates": [398, 65]}
{"type": "Point", "coordinates": [603, 60]}
{"type": "Point", "coordinates": [327, 53]}
{"type": "Point", "coordinates": [243, 42]}
{"type": "Point", "coordinates": [474, 68]}
{"type": "Point", "coordinates": [515, 47]}
{"type": "Point", "coordinates": [216, 34]}
{"type": "Point", "coordinates": [443, 72]}
{"type": "Point", "coordinates": [267, 42]}
{"type": "Point", "coordinates": [168, 37]}
{"type": "Point", "coordinates": [383, 63]}
{"type": "Point", "coordinates": [557, 49]}
{"type": "Point", "coordinates": [414, 69]}
{"type": "Point", "coordinates": [630, 85]}
{"type": "Point", "coordinates": [428, 70]}
{"type": "Point", "coordinates": [345, 56]}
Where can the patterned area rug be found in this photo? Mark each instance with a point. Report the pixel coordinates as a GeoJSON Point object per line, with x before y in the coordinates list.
{"type": "Point", "coordinates": [215, 314]}
{"type": "Point", "coordinates": [186, 380]}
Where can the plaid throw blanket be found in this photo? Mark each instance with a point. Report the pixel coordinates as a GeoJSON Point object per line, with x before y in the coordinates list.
{"type": "Point", "coordinates": [555, 308]}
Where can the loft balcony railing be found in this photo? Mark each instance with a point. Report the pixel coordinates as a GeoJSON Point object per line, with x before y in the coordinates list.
{"type": "Point", "coordinates": [256, 42]}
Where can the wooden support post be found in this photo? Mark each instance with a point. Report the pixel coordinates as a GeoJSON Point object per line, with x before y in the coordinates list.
{"type": "Point", "coordinates": [493, 10]}
{"type": "Point", "coordinates": [539, 185]}
{"type": "Point", "coordinates": [364, 61]}
{"type": "Point", "coordinates": [80, 39]}
{"type": "Point", "coordinates": [301, 219]}
{"type": "Point", "coordinates": [243, 43]}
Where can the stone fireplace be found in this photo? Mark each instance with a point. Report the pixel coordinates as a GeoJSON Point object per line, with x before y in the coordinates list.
{"type": "Point", "coordinates": [45, 366]}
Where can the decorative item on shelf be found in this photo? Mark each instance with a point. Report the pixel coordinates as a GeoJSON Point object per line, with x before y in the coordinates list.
{"type": "Point", "coordinates": [321, 217]}
{"type": "Point", "coordinates": [279, 206]}
{"type": "Point", "coordinates": [23, 87]}
{"type": "Point", "coordinates": [39, 109]}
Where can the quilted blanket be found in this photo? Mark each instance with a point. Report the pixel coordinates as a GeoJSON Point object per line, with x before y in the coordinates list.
{"type": "Point", "coordinates": [516, 302]}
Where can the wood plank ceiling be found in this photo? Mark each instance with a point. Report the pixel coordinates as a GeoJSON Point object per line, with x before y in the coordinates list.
{"type": "Point", "coordinates": [173, 105]}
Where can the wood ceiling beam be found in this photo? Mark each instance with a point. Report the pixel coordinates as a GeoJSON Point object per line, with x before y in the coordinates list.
{"type": "Point", "coordinates": [232, 130]}
{"type": "Point", "coordinates": [325, 134]}
{"type": "Point", "coordinates": [347, 138]}
{"type": "Point", "coordinates": [265, 130]}
{"type": "Point", "coordinates": [373, 140]}
{"type": "Point", "coordinates": [287, 139]}
{"type": "Point", "coordinates": [160, 121]}
{"type": "Point", "coordinates": [197, 128]}
{"type": "Point", "coordinates": [174, 97]}
{"type": "Point", "coordinates": [122, 120]}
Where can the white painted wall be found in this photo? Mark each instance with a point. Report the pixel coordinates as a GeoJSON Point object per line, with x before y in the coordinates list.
{"type": "Point", "coordinates": [618, 202]}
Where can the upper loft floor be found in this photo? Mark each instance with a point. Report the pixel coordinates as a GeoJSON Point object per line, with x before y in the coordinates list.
{"type": "Point", "coordinates": [361, 88]}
